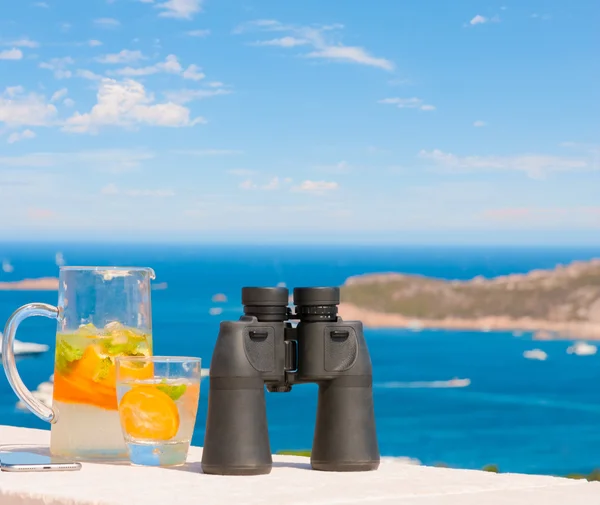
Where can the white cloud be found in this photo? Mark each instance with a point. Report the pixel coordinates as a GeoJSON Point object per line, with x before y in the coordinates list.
{"type": "Point", "coordinates": [113, 190]}
{"type": "Point", "coordinates": [107, 22]}
{"type": "Point", "coordinates": [207, 152]}
{"type": "Point", "coordinates": [216, 84]}
{"type": "Point", "coordinates": [353, 54]}
{"type": "Point", "coordinates": [11, 54]}
{"type": "Point", "coordinates": [59, 67]}
{"type": "Point", "coordinates": [198, 33]}
{"type": "Point", "coordinates": [44, 5]}
{"type": "Point", "coordinates": [534, 165]}
{"type": "Point", "coordinates": [247, 184]}
{"type": "Point", "coordinates": [20, 109]}
{"type": "Point", "coordinates": [23, 42]}
{"type": "Point", "coordinates": [68, 102]}
{"type": "Point", "coordinates": [180, 9]}
{"type": "Point", "coordinates": [323, 46]}
{"type": "Point", "coordinates": [13, 91]}
{"type": "Point", "coordinates": [59, 94]}
{"type": "Point", "coordinates": [546, 217]}
{"type": "Point", "coordinates": [17, 136]}
{"type": "Point", "coordinates": [282, 42]}
{"type": "Point", "coordinates": [124, 56]}
{"type": "Point", "coordinates": [110, 189]}
{"type": "Point", "coordinates": [89, 75]}
{"type": "Point", "coordinates": [111, 160]}
{"type": "Point", "coordinates": [479, 124]}
{"type": "Point", "coordinates": [272, 184]}
{"type": "Point", "coordinates": [193, 73]}
{"type": "Point", "coordinates": [478, 20]}
{"type": "Point", "coordinates": [127, 104]}
{"type": "Point", "coordinates": [341, 167]}
{"type": "Point", "coordinates": [170, 66]}
{"type": "Point", "coordinates": [408, 103]}
{"type": "Point", "coordinates": [187, 95]}
{"type": "Point", "coordinates": [94, 43]}
{"type": "Point", "coordinates": [241, 172]}
{"type": "Point", "coordinates": [317, 187]}
{"type": "Point", "coordinates": [399, 82]}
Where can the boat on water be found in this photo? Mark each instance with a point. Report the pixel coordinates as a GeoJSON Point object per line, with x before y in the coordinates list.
{"type": "Point", "coordinates": [582, 349]}
{"type": "Point", "coordinates": [537, 354]}
{"type": "Point", "coordinates": [59, 259]}
{"type": "Point", "coordinates": [26, 348]}
{"type": "Point", "coordinates": [43, 393]}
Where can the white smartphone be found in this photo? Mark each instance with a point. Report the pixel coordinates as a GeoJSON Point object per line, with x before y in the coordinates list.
{"type": "Point", "coordinates": [32, 462]}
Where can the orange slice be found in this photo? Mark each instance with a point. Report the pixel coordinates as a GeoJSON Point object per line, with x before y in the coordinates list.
{"type": "Point", "coordinates": [135, 370]}
{"type": "Point", "coordinates": [149, 414]}
{"type": "Point", "coordinates": [96, 366]}
{"type": "Point", "coordinates": [73, 389]}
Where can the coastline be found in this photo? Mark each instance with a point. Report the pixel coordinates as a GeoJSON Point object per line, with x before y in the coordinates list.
{"type": "Point", "coordinates": [41, 284]}
{"type": "Point", "coordinates": [543, 330]}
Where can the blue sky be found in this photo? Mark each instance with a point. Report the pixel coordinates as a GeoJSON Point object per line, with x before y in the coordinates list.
{"type": "Point", "coordinates": [306, 120]}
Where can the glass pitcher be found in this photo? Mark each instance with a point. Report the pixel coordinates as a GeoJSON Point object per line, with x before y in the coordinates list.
{"type": "Point", "coordinates": [102, 313]}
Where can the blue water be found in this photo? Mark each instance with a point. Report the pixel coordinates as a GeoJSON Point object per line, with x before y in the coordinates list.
{"type": "Point", "coordinates": [526, 416]}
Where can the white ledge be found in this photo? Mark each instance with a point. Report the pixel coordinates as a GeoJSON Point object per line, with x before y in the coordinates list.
{"type": "Point", "coordinates": [291, 482]}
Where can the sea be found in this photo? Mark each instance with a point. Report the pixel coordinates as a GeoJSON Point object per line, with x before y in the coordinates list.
{"type": "Point", "coordinates": [523, 415]}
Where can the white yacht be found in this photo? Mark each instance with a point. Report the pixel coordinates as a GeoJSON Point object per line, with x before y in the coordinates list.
{"type": "Point", "coordinates": [26, 348]}
{"type": "Point", "coordinates": [582, 349]}
{"type": "Point", "coordinates": [59, 259]}
{"type": "Point", "coordinates": [43, 393]}
{"type": "Point", "coordinates": [537, 354]}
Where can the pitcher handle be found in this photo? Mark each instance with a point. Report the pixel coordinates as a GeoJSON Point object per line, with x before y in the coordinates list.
{"type": "Point", "coordinates": [8, 357]}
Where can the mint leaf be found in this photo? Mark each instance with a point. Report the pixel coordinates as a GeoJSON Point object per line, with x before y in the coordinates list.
{"type": "Point", "coordinates": [124, 343]}
{"type": "Point", "coordinates": [66, 355]}
{"type": "Point", "coordinates": [174, 392]}
{"type": "Point", "coordinates": [103, 369]}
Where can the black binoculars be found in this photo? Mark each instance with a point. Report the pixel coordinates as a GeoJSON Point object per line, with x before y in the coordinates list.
{"type": "Point", "coordinates": [263, 349]}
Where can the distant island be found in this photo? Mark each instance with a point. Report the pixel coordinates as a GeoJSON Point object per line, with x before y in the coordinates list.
{"type": "Point", "coordinates": [563, 302]}
{"type": "Point", "coordinates": [41, 284]}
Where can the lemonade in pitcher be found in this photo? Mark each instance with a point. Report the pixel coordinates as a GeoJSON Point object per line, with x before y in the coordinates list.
{"type": "Point", "coordinates": [85, 385]}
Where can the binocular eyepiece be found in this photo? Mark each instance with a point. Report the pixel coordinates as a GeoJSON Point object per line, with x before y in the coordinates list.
{"type": "Point", "coordinates": [271, 304]}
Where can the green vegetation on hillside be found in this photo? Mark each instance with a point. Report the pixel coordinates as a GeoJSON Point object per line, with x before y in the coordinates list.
{"type": "Point", "coordinates": [565, 294]}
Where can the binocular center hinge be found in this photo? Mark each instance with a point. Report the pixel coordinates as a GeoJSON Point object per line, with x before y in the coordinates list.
{"type": "Point", "coordinates": [291, 356]}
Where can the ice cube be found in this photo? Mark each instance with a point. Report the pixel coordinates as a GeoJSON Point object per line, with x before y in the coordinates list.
{"type": "Point", "coordinates": [88, 329]}
{"type": "Point", "coordinates": [113, 325]}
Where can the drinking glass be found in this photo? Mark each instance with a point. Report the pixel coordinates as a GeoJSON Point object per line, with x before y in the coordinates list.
{"type": "Point", "coordinates": [158, 402]}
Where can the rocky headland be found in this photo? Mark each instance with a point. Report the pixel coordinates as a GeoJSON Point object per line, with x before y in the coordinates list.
{"type": "Point", "coordinates": [563, 302]}
{"type": "Point", "coordinates": [40, 284]}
